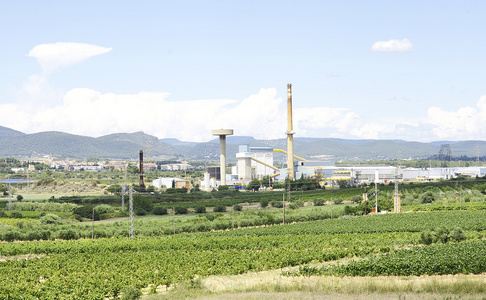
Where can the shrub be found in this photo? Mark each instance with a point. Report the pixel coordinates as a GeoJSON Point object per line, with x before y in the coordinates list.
{"type": "Point", "coordinates": [263, 203]}
{"type": "Point", "coordinates": [16, 215]}
{"type": "Point", "coordinates": [219, 208]}
{"type": "Point", "coordinates": [200, 209]}
{"type": "Point", "coordinates": [427, 197]}
{"type": "Point", "coordinates": [238, 207]}
{"type": "Point", "coordinates": [299, 203]}
{"type": "Point", "coordinates": [277, 203]}
{"type": "Point", "coordinates": [293, 206]}
{"type": "Point", "coordinates": [68, 234]}
{"type": "Point", "coordinates": [10, 236]}
{"type": "Point", "coordinates": [87, 212]}
{"type": "Point", "coordinates": [338, 201]}
{"type": "Point", "coordinates": [131, 294]}
{"type": "Point", "coordinates": [50, 219]}
{"type": "Point", "coordinates": [104, 208]}
{"type": "Point", "coordinates": [20, 197]}
{"type": "Point", "coordinates": [356, 199]}
{"type": "Point", "coordinates": [140, 211]}
{"type": "Point", "coordinates": [319, 202]}
{"type": "Point", "coordinates": [180, 210]}
{"type": "Point", "coordinates": [159, 210]}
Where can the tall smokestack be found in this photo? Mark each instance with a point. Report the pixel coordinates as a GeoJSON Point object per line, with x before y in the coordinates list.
{"type": "Point", "coordinates": [142, 185]}
{"type": "Point", "coordinates": [290, 135]}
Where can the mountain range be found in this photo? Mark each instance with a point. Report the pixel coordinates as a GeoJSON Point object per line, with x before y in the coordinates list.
{"type": "Point", "coordinates": [127, 145]}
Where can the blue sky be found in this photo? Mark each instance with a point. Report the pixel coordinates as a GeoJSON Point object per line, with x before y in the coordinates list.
{"type": "Point", "coordinates": [411, 70]}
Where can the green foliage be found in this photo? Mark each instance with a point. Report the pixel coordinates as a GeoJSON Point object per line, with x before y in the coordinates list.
{"type": "Point", "coordinates": [104, 208]}
{"type": "Point", "coordinates": [338, 201]}
{"type": "Point", "coordinates": [16, 215]}
{"type": "Point", "coordinates": [356, 199]}
{"type": "Point", "coordinates": [142, 202]}
{"type": "Point", "coordinates": [219, 208]}
{"type": "Point", "coordinates": [237, 207]}
{"type": "Point", "coordinates": [180, 210]}
{"type": "Point", "coordinates": [50, 219]}
{"type": "Point", "coordinates": [68, 234]}
{"type": "Point", "coordinates": [87, 212]}
{"type": "Point", "coordinates": [293, 206]}
{"type": "Point", "coordinates": [427, 197]}
{"type": "Point", "coordinates": [158, 210]}
{"type": "Point", "coordinates": [253, 185]}
{"type": "Point", "coordinates": [131, 293]}
{"type": "Point", "coordinates": [223, 188]}
{"type": "Point", "coordinates": [277, 204]}
{"type": "Point", "coordinates": [140, 211]}
{"type": "Point", "coordinates": [319, 202]}
{"type": "Point", "coordinates": [264, 203]}
{"type": "Point", "coordinates": [442, 235]}
{"type": "Point", "coordinates": [20, 197]}
{"type": "Point", "coordinates": [200, 209]}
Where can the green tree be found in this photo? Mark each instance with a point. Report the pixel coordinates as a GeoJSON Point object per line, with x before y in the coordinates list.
{"type": "Point", "coordinates": [253, 185]}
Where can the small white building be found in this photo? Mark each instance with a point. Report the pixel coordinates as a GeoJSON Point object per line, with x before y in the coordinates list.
{"type": "Point", "coordinates": [168, 182]}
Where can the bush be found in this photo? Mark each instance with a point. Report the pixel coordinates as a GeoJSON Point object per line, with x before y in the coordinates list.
{"type": "Point", "coordinates": [10, 236]}
{"type": "Point", "coordinates": [427, 197]}
{"type": "Point", "coordinates": [319, 202]}
{"type": "Point", "coordinates": [200, 209]}
{"type": "Point", "coordinates": [159, 210]}
{"type": "Point", "coordinates": [338, 201]}
{"type": "Point", "coordinates": [104, 208]}
{"type": "Point", "coordinates": [68, 234]}
{"type": "Point", "coordinates": [50, 219]}
{"type": "Point", "coordinates": [140, 211]}
{"type": "Point", "coordinates": [277, 203]}
{"type": "Point", "coordinates": [16, 215]}
{"type": "Point", "coordinates": [20, 197]}
{"type": "Point", "coordinates": [356, 199]}
{"type": "Point", "coordinates": [131, 294]}
{"type": "Point", "coordinates": [219, 208]}
{"type": "Point", "coordinates": [263, 203]}
{"type": "Point", "coordinates": [299, 203]}
{"type": "Point", "coordinates": [87, 212]}
{"type": "Point", "coordinates": [180, 210]}
{"type": "Point", "coordinates": [293, 206]}
{"type": "Point", "coordinates": [237, 207]}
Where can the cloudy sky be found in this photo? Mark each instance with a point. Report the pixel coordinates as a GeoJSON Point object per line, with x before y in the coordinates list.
{"type": "Point", "coordinates": [412, 70]}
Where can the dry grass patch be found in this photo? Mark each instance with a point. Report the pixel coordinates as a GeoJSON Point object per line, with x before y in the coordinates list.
{"type": "Point", "coordinates": [272, 285]}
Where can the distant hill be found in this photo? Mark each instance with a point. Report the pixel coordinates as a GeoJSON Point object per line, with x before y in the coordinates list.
{"type": "Point", "coordinates": [59, 144]}
{"type": "Point", "coordinates": [7, 133]}
{"type": "Point", "coordinates": [127, 145]}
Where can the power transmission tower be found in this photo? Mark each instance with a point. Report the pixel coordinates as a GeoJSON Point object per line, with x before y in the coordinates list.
{"type": "Point", "coordinates": [445, 154]}
{"type": "Point", "coordinates": [132, 230]}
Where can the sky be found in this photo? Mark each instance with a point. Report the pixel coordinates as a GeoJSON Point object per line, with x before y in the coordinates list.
{"type": "Point", "coordinates": [410, 70]}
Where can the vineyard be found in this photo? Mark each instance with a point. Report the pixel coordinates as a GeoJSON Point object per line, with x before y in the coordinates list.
{"type": "Point", "coordinates": [107, 267]}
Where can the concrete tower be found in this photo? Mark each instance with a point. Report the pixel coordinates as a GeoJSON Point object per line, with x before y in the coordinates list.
{"type": "Point", "coordinates": [290, 135]}
{"type": "Point", "coordinates": [222, 133]}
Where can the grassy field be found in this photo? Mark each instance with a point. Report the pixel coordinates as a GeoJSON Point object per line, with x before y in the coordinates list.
{"type": "Point", "coordinates": [264, 262]}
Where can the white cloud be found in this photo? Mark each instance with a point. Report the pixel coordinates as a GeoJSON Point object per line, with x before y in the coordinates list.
{"type": "Point", "coordinates": [466, 123]}
{"type": "Point", "coordinates": [393, 46]}
{"type": "Point", "coordinates": [59, 55]}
